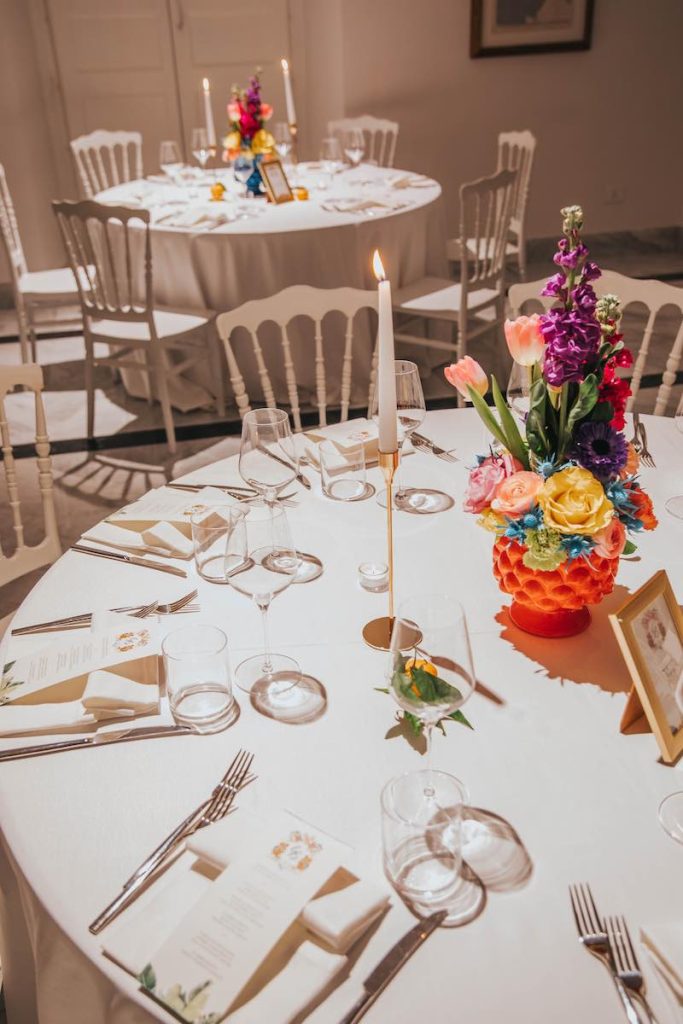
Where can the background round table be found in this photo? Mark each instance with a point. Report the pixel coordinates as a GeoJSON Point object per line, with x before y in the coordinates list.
{"type": "Point", "coordinates": [545, 754]}
{"type": "Point", "coordinates": [219, 267]}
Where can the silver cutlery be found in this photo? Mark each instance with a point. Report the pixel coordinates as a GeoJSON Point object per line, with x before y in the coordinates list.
{"type": "Point", "coordinates": [645, 454]}
{"type": "Point", "coordinates": [283, 462]}
{"type": "Point", "coordinates": [441, 453]}
{"type": "Point", "coordinates": [626, 962]}
{"type": "Point", "coordinates": [209, 811]}
{"type": "Point", "coordinates": [593, 937]}
{"type": "Point", "coordinates": [77, 621]}
{"type": "Point", "coordinates": [636, 441]}
{"type": "Point", "coordinates": [391, 964]}
{"type": "Point", "coordinates": [118, 556]}
{"type": "Point", "coordinates": [98, 740]}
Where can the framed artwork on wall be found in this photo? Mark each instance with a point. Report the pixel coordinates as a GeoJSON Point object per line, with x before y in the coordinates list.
{"type": "Point", "coordinates": [500, 28]}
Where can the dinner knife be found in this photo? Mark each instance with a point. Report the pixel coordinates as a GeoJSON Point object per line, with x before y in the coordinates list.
{"type": "Point", "coordinates": [283, 462]}
{"type": "Point", "coordinates": [392, 963]}
{"type": "Point", "coordinates": [98, 740]}
{"type": "Point", "coordinates": [118, 556]}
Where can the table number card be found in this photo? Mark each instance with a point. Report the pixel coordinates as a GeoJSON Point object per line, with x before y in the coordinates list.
{"type": "Point", "coordinates": [166, 505]}
{"type": "Point", "coordinates": [199, 971]}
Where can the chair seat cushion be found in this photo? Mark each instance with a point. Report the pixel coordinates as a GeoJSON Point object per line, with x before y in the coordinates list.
{"type": "Point", "coordinates": [439, 297]}
{"type": "Point", "coordinates": [453, 248]}
{"type": "Point", "coordinates": [49, 285]}
{"type": "Point", "coordinates": [168, 324]}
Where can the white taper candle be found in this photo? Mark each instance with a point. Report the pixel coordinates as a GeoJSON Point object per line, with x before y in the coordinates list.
{"type": "Point", "coordinates": [386, 372]}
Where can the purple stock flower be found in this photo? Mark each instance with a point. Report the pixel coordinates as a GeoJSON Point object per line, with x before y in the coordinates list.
{"type": "Point", "coordinates": [572, 342]}
{"type": "Point", "coordinates": [591, 271]}
{"type": "Point", "coordinates": [555, 286]}
{"type": "Point", "coordinates": [584, 298]}
{"type": "Point", "coordinates": [600, 449]}
{"type": "Point", "coordinates": [569, 258]}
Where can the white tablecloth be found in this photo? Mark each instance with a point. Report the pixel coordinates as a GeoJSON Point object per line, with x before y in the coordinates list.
{"type": "Point", "coordinates": [222, 267]}
{"type": "Point", "coordinates": [547, 756]}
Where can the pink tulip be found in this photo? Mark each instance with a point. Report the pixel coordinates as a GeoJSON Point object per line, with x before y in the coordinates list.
{"type": "Point", "coordinates": [524, 339]}
{"type": "Point", "coordinates": [467, 371]}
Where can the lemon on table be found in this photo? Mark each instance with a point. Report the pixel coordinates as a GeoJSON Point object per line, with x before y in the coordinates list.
{"type": "Point", "coordinates": [217, 191]}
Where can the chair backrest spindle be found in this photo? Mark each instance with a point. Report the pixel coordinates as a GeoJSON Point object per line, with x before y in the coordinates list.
{"type": "Point", "coordinates": [103, 159]}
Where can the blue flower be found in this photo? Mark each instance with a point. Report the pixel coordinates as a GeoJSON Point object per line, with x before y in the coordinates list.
{"type": "Point", "coordinates": [577, 546]}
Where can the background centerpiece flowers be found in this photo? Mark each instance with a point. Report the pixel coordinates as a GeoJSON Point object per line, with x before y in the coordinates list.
{"type": "Point", "coordinates": [248, 114]}
{"type": "Point", "coordinates": [560, 491]}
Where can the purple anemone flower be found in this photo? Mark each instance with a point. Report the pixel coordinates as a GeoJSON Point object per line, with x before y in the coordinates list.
{"type": "Point", "coordinates": [600, 449]}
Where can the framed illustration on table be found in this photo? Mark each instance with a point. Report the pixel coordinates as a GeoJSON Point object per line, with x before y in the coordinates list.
{"type": "Point", "coordinates": [275, 180]}
{"type": "Point", "coordinates": [649, 630]}
{"type": "Point", "coordinates": [508, 27]}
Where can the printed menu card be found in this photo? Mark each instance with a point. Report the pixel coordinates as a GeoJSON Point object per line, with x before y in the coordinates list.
{"type": "Point", "coordinates": [201, 968]}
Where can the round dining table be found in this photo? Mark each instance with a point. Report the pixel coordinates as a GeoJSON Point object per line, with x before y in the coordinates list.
{"type": "Point", "coordinates": [217, 255]}
{"type": "Point", "coordinates": [545, 755]}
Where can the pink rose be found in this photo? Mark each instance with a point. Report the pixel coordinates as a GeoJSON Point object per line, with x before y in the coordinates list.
{"type": "Point", "coordinates": [266, 111]}
{"type": "Point", "coordinates": [611, 540]}
{"type": "Point", "coordinates": [466, 371]}
{"type": "Point", "coordinates": [524, 339]}
{"type": "Point", "coordinates": [484, 480]}
{"type": "Point", "coordinates": [234, 111]}
{"type": "Point", "coordinates": [516, 494]}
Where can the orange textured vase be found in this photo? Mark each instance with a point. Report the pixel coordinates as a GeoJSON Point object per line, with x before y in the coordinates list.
{"type": "Point", "coordinates": [552, 604]}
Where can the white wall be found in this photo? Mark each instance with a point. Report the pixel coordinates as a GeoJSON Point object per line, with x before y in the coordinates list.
{"type": "Point", "coordinates": [608, 116]}
{"type": "Point", "coordinates": [25, 146]}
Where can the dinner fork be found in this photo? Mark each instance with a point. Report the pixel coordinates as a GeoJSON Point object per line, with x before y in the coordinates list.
{"type": "Point", "coordinates": [636, 441]}
{"type": "Point", "coordinates": [626, 962]}
{"type": "Point", "coordinates": [593, 937]}
{"type": "Point", "coordinates": [440, 453]}
{"type": "Point", "coordinates": [208, 812]}
{"type": "Point", "coordinates": [76, 621]}
{"type": "Point", "coordinates": [645, 455]}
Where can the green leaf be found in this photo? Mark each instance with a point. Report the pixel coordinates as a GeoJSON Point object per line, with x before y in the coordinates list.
{"type": "Point", "coordinates": [458, 716]}
{"type": "Point", "coordinates": [603, 412]}
{"type": "Point", "coordinates": [415, 724]}
{"type": "Point", "coordinates": [382, 689]}
{"type": "Point", "coordinates": [629, 548]}
{"type": "Point", "coordinates": [515, 445]}
{"type": "Point", "coordinates": [487, 417]}
{"type": "Point", "coordinates": [148, 978]}
{"type": "Point", "coordinates": [536, 432]}
{"type": "Point", "coordinates": [585, 402]}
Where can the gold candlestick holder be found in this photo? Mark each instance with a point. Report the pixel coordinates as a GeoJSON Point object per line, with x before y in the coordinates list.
{"type": "Point", "coordinates": [377, 632]}
{"type": "Point", "coordinates": [293, 131]}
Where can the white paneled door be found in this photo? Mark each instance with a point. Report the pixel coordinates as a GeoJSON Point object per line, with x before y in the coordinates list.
{"type": "Point", "coordinates": [117, 68]}
{"type": "Point", "coordinates": [225, 41]}
{"type": "Point", "coordinates": [139, 64]}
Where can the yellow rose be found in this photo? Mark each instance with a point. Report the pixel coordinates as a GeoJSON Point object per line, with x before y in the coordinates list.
{"type": "Point", "coordinates": [262, 142]}
{"type": "Point", "coordinates": [573, 501]}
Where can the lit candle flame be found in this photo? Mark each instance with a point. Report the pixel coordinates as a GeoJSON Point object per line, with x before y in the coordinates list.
{"type": "Point", "coordinates": [378, 266]}
{"type": "Point", "coordinates": [205, 84]}
{"type": "Point", "coordinates": [285, 65]}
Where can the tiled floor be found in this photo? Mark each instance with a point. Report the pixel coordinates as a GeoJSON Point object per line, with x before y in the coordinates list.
{"type": "Point", "coordinates": [90, 484]}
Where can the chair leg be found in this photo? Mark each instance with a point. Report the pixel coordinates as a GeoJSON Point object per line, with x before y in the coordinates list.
{"type": "Point", "coordinates": [89, 382]}
{"type": "Point", "coordinates": [34, 347]}
{"type": "Point", "coordinates": [217, 371]}
{"type": "Point", "coordinates": [23, 333]}
{"type": "Point", "coordinates": [164, 398]}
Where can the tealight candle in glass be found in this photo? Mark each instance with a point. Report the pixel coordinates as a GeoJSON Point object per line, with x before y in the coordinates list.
{"type": "Point", "coordinates": [373, 576]}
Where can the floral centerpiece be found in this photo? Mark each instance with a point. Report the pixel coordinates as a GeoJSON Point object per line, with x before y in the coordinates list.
{"type": "Point", "coordinates": [561, 492]}
{"type": "Point", "coordinates": [248, 114]}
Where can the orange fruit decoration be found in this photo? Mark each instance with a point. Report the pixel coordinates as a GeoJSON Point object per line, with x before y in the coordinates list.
{"type": "Point", "coordinates": [552, 604]}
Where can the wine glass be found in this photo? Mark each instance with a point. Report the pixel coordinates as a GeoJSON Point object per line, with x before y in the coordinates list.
{"type": "Point", "coordinates": [283, 139]}
{"type": "Point", "coordinates": [671, 815]}
{"type": "Point", "coordinates": [268, 459]}
{"type": "Point", "coordinates": [200, 147]}
{"type": "Point", "coordinates": [430, 671]}
{"type": "Point", "coordinates": [170, 158]}
{"type": "Point", "coordinates": [518, 391]}
{"type": "Point", "coordinates": [354, 146]}
{"type": "Point", "coordinates": [411, 411]}
{"type": "Point", "coordinates": [260, 562]}
{"type": "Point", "coordinates": [331, 155]}
{"type": "Point", "coordinates": [675, 505]}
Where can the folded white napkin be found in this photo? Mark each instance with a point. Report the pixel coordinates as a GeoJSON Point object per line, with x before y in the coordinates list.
{"type": "Point", "coordinates": [17, 719]}
{"type": "Point", "coordinates": [159, 539]}
{"type": "Point", "coordinates": [195, 217]}
{"type": "Point", "coordinates": [108, 695]}
{"type": "Point", "coordinates": [307, 974]}
{"type": "Point", "coordinates": [411, 181]}
{"type": "Point", "coordinates": [169, 539]}
{"type": "Point", "coordinates": [338, 918]}
{"type": "Point", "coordinates": [665, 943]}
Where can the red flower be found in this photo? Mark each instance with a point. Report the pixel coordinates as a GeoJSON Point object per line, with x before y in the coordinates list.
{"type": "Point", "coordinates": [248, 125]}
{"type": "Point", "coordinates": [615, 390]}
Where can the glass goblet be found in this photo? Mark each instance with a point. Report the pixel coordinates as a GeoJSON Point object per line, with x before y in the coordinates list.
{"type": "Point", "coordinates": [354, 146]}
{"type": "Point", "coordinates": [675, 505]}
{"type": "Point", "coordinates": [268, 459]}
{"type": "Point", "coordinates": [200, 146]}
{"type": "Point", "coordinates": [170, 158]}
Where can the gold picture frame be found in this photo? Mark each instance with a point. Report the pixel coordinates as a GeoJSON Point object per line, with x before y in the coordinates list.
{"type": "Point", "coordinates": [649, 630]}
{"type": "Point", "coordinates": [274, 178]}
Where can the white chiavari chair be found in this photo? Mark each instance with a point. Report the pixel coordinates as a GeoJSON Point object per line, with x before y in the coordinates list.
{"type": "Point", "coordinates": [24, 557]}
{"type": "Point", "coordinates": [380, 136]}
{"type": "Point", "coordinates": [516, 153]}
{"type": "Point", "coordinates": [474, 305]}
{"type": "Point", "coordinates": [281, 309]}
{"type": "Point", "coordinates": [654, 296]}
{"type": "Point", "coordinates": [109, 249]}
{"type": "Point", "coordinates": [37, 294]}
{"type": "Point", "coordinates": [104, 159]}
